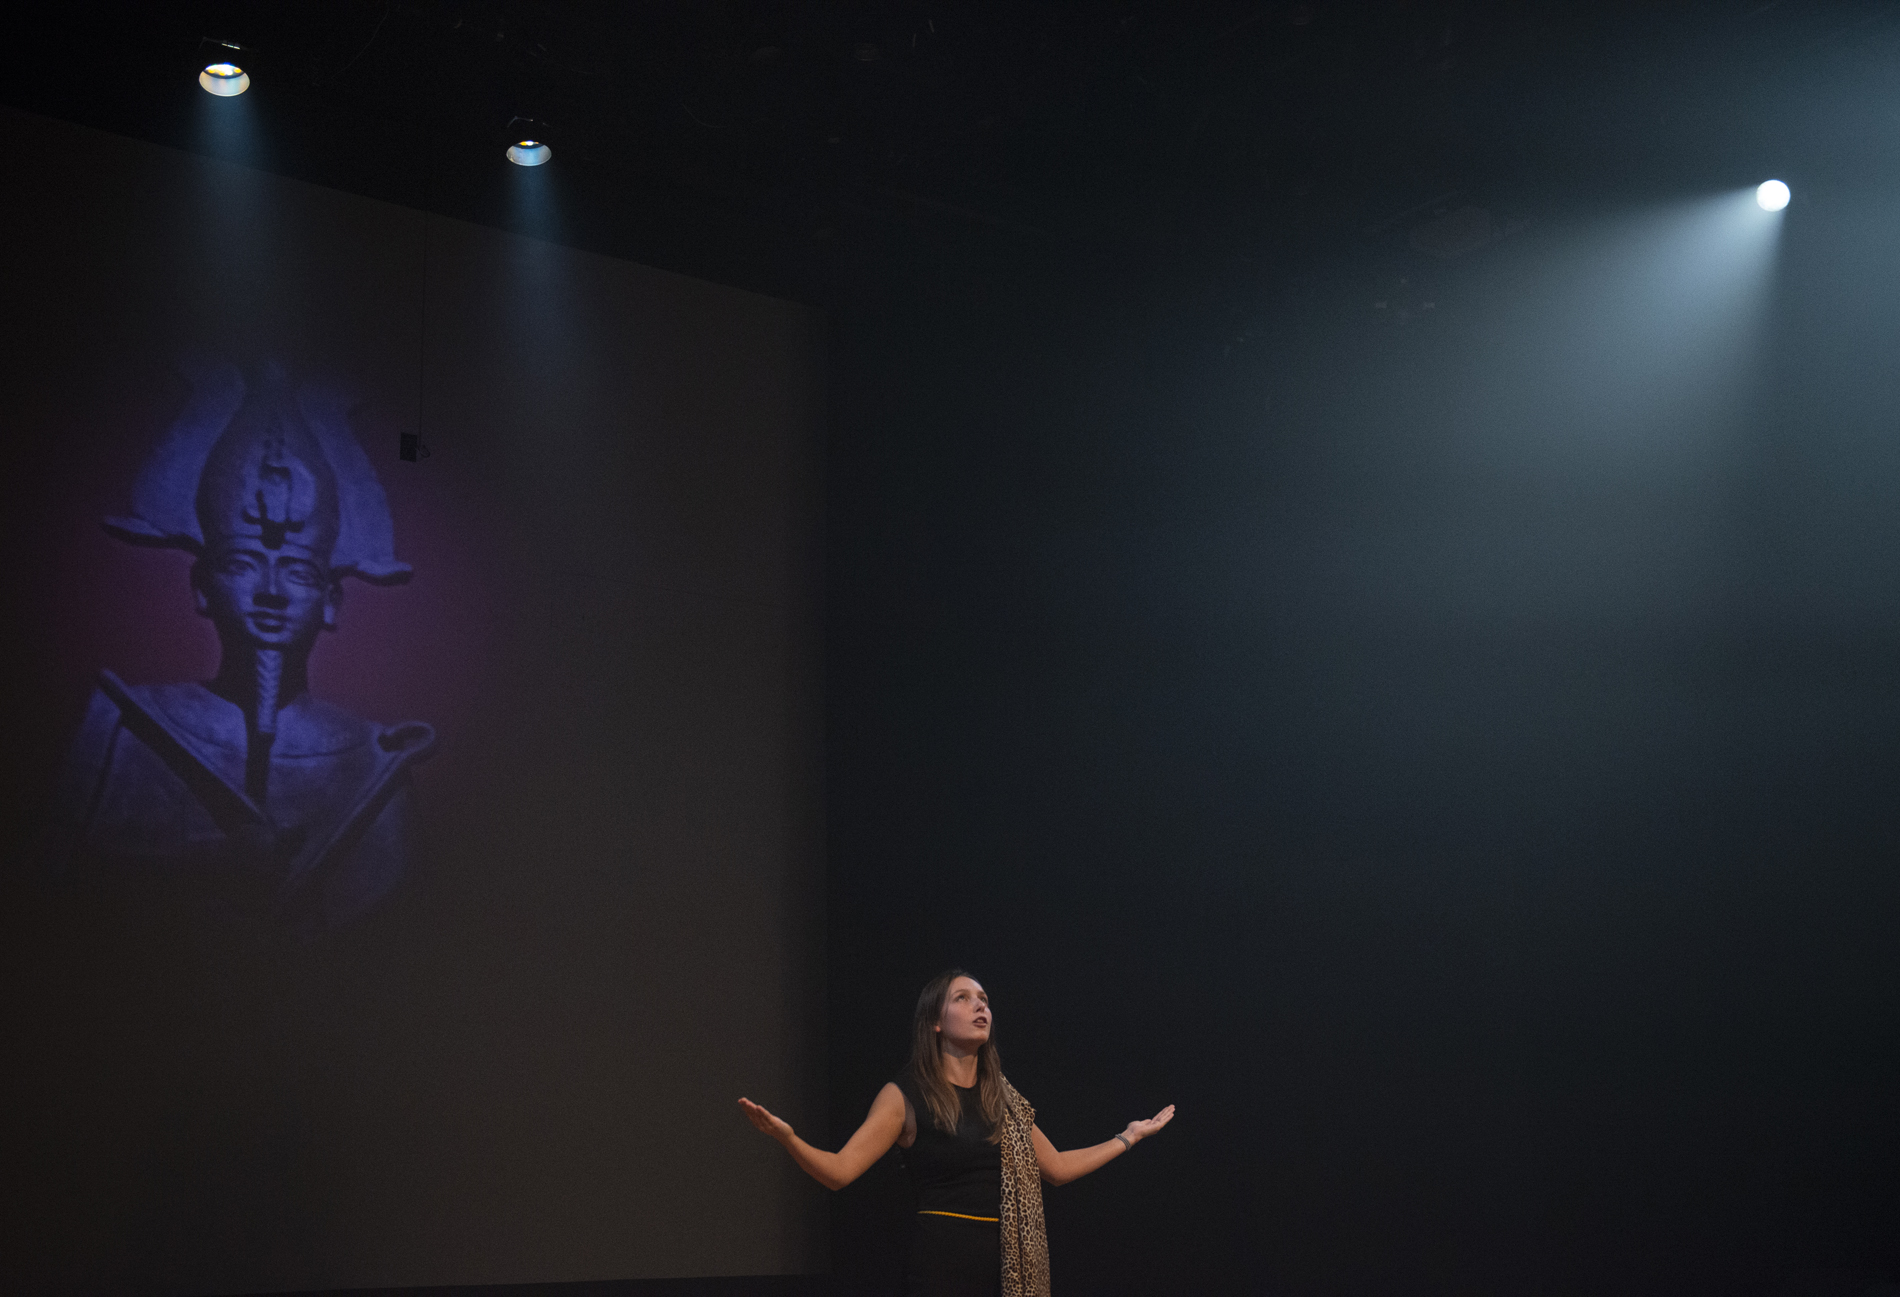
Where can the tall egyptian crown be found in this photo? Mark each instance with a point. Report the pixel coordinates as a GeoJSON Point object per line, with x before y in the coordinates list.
{"type": "Point", "coordinates": [261, 460]}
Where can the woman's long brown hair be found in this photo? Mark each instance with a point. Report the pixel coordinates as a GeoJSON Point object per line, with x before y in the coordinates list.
{"type": "Point", "coordinates": [926, 1063]}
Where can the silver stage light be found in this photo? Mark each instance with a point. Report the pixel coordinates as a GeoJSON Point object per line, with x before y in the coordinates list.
{"type": "Point", "coordinates": [225, 80]}
{"type": "Point", "coordinates": [529, 153]}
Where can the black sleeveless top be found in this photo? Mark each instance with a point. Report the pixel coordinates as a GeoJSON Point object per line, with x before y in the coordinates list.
{"type": "Point", "coordinates": [960, 1173]}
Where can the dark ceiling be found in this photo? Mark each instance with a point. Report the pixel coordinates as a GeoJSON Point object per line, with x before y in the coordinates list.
{"type": "Point", "coordinates": [821, 149]}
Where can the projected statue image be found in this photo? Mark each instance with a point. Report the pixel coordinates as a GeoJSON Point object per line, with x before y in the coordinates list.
{"type": "Point", "coordinates": [245, 792]}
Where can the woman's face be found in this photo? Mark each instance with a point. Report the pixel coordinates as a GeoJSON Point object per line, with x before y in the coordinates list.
{"type": "Point", "coordinates": [966, 1015]}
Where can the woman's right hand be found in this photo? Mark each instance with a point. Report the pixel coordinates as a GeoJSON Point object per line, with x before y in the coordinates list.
{"type": "Point", "coordinates": [835, 1170]}
{"type": "Point", "coordinates": [765, 1121]}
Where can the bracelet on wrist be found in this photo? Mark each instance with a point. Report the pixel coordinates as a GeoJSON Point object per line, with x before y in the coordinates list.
{"type": "Point", "coordinates": [1127, 1144]}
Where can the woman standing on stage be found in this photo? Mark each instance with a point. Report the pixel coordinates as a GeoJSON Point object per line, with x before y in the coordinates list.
{"type": "Point", "coordinates": [972, 1148]}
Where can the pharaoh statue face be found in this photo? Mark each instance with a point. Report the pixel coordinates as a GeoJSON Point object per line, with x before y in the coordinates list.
{"type": "Point", "coordinates": [271, 599]}
{"type": "Point", "coordinates": [268, 507]}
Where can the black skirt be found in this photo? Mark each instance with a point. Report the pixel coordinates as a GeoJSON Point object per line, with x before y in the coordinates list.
{"type": "Point", "coordinates": [952, 1257]}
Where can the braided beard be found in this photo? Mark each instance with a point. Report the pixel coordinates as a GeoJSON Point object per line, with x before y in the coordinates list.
{"type": "Point", "coordinates": [270, 678]}
{"type": "Point", "coordinates": [268, 674]}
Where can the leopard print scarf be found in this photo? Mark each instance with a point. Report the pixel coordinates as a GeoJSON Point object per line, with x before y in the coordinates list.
{"type": "Point", "coordinates": [1025, 1244]}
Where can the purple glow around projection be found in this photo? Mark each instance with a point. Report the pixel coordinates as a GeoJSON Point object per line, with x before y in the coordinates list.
{"type": "Point", "coordinates": [247, 793]}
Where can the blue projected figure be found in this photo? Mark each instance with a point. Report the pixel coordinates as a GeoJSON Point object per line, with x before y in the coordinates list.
{"type": "Point", "coordinates": [245, 790]}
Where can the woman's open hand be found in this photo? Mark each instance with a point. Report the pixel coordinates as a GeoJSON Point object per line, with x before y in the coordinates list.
{"type": "Point", "coordinates": [765, 1121]}
{"type": "Point", "coordinates": [1140, 1130]}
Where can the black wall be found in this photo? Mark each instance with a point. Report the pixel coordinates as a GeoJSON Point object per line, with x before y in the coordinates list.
{"type": "Point", "coordinates": [1457, 774]}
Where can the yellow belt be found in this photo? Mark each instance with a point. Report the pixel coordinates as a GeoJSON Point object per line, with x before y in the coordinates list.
{"type": "Point", "coordinates": [960, 1216]}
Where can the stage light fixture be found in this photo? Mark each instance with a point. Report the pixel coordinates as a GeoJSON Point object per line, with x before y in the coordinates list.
{"type": "Point", "coordinates": [223, 78]}
{"type": "Point", "coordinates": [1772, 195]}
{"type": "Point", "coordinates": [528, 141]}
{"type": "Point", "coordinates": [529, 153]}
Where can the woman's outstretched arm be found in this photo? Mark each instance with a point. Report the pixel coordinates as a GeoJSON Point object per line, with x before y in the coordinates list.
{"type": "Point", "coordinates": [835, 1170]}
{"type": "Point", "coordinates": [1060, 1168]}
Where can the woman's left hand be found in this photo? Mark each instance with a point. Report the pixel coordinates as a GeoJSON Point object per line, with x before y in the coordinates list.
{"type": "Point", "coordinates": [1140, 1130]}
